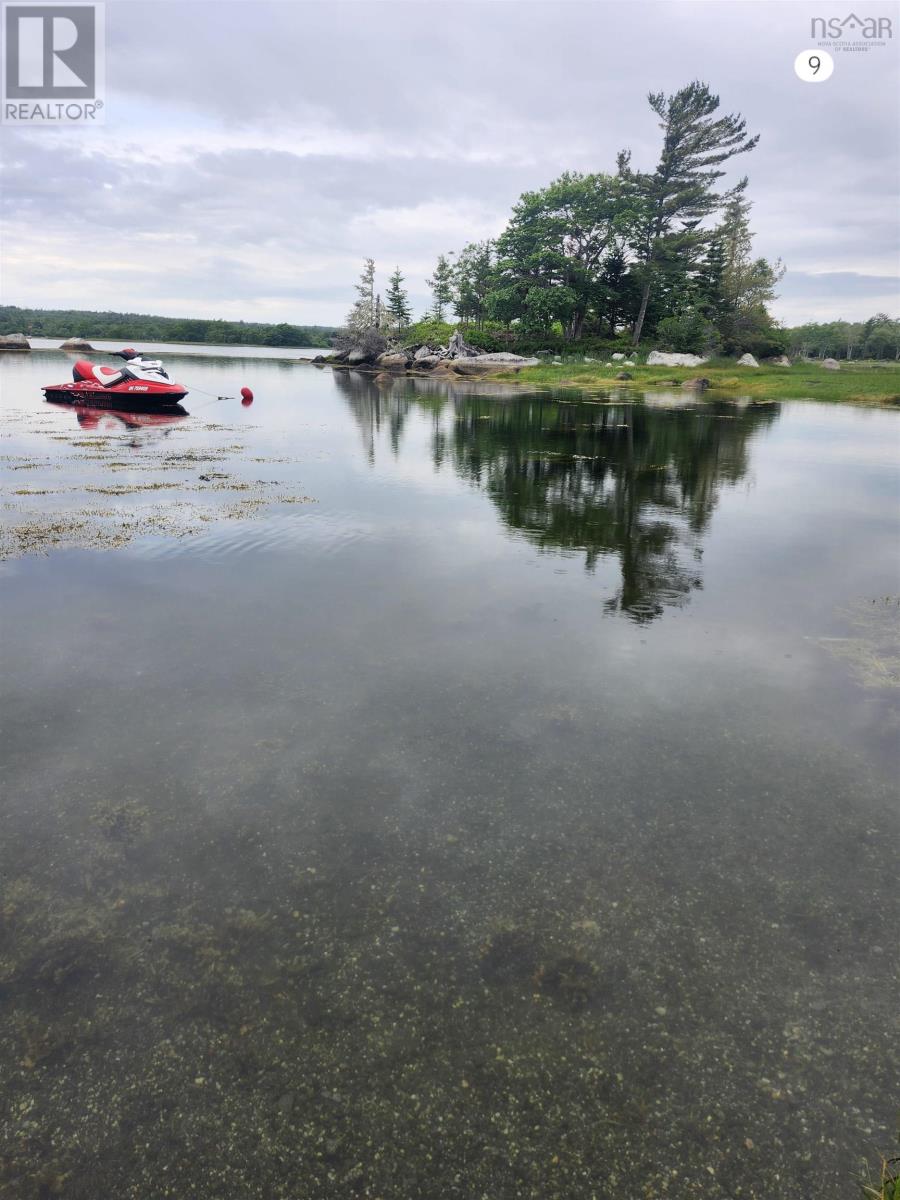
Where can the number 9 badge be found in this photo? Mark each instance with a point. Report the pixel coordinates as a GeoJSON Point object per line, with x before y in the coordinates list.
{"type": "Point", "coordinates": [813, 66]}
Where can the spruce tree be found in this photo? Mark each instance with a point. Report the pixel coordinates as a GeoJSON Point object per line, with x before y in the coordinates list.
{"type": "Point", "coordinates": [397, 302]}
{"type": "Point", "coordinates": [441, 284]}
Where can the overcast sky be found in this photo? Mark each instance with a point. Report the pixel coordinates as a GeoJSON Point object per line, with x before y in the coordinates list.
{"type": "Point", "coordinates": [253, 153]}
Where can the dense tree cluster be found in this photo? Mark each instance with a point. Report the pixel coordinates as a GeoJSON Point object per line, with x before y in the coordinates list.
{"type": "Point", "coordinates": [623, 256]}
{"type": "Point", "coordinates": [879, 337]}
{"type": "Point", "coordinates": [634, 253]}
{"type": "Point", "coordinates": [115, 326]}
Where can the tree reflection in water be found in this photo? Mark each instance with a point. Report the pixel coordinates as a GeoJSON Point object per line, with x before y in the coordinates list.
{"type": "Point", "coordinates": [624, 475]}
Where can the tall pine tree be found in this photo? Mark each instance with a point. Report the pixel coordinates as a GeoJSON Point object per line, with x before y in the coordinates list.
{"type": "Point", "coordinates": [680, 192]}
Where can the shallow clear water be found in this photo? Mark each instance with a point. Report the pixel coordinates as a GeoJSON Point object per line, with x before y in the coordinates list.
{"type": "Point", "coordinates": [418, 791]}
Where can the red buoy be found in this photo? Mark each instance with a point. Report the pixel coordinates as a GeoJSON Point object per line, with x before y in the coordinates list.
{"type": "Point", "coordinates": [246, 397]}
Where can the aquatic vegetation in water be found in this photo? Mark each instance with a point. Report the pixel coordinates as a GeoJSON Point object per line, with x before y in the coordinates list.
{"type": "Point", "coordinates": [53, 949]}
{"type": "Point", "coordinates": [511, 956]}
{"type": "Point", "coordinates": [885, 1185]}
{"type": "Point", "coordinates": [44, 1183]}
{"type": "Point", "coordinates": [121, 820]}
{"type": "Point", "coordinates": [873, 654]}
{"type": "Point", "coordinates": [570, 980]}
{"type": "Point", "coordinates": [300, 914]}
{"type": "Point", "coordinates": [245, 923]}
{"type": "Point", "coordinates": [43, 517]}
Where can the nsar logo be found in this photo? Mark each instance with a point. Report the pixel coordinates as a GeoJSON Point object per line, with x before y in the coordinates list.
{"type": "Point", "coordinates": [877, 28]}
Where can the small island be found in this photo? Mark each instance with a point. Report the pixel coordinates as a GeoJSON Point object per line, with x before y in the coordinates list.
{"type": "Point", "coordinates": [632, 276]}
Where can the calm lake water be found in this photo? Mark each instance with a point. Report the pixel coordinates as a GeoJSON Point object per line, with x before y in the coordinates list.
{"type": "Point", "coordinates": [417, 792]}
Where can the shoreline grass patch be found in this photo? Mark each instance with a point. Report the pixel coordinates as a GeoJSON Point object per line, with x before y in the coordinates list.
{"type": "Point", "coordinates": [854, 383]}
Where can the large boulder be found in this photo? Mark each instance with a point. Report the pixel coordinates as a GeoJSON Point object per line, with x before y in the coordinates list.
{"type": "Point", "coordinates": [659, 358]}
{"type": "Point", "coordinates": [624, 375]}
{"type": "Point", "coordinates": [14, 341]}
{"type": "Point", "coordinates": [502, 356]}
{"type": "Point", "coordinates": [474, 366]}
{"type": "Point", "coordinates": [830, 364]}
{"type": "Point", "coordinates": [76, 344]}
{"type": "Point", "coordinates": [747, 360]}
{"type": "Point", "coordinates": [428, 362]}
{"type": "Point", "coordinates": [423, 352]}
{"type": "Point", "coordinates": [358, 346]}
{"type": "Point", "coordinates": [487, 364]}
{"type": "Point", "coordinates": [781, 361]}
{"type": "Point", "coordinates": [617, 357]}
{"type": "Point", "coordinates": [393, 360]}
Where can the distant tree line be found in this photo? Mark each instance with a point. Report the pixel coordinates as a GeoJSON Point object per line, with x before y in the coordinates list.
{"type": "Point", "coordinates": [878, 337]}
{"type": "Point", "coordinates": [115, 326]}
{"type": "Point", "coordinates": [664, 254]}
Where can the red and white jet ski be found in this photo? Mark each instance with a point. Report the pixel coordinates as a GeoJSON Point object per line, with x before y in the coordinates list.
{"type": "Point", "coordinates": [139, 381]}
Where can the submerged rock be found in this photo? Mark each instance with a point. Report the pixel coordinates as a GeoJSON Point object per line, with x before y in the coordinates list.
{"type": "Point", "coordinates": [76, 344]}
{"type": "Point", "coordinates": [659, 358]}
{"type": "Point", "coordinates": [700, 384]}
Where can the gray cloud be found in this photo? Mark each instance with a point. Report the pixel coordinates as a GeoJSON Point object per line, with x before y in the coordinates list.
{"type": "Point", "coordinates": [253, 153]}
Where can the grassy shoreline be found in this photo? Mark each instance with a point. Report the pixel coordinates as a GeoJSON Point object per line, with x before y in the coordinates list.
{"type": "Point", "coordinates": [856, 383]}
